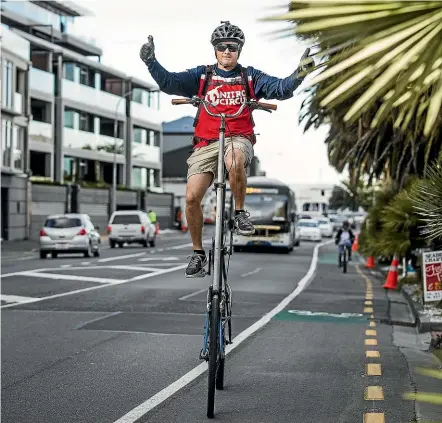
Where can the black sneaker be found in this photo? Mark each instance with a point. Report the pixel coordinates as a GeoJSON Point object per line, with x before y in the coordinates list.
{"type": "Point", "coordinates": [242, 224]}
{"type": "Point", "coordinates": [195, 269]}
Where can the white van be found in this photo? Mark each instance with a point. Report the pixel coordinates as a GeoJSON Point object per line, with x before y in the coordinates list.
{"type": "Point", "coordinates": [131, 227]}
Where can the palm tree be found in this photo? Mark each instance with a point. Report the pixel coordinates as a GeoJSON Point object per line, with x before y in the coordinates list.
{"type": "Point", "coordinates": [383, 51]}
{"type": "Point", "coordinates": [380, 85]}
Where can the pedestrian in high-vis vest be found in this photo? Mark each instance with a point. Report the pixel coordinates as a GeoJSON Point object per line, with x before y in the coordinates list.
{"type": "Point", "coordinates": [226, 85]}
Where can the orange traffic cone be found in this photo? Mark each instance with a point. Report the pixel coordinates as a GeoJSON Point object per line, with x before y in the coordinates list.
{"type": "Point", "coordinates": [392, 276]}
{"type": "Point", "coordinates": [355, 245]}
{"type": "Point", "coordinates": [370, 263]}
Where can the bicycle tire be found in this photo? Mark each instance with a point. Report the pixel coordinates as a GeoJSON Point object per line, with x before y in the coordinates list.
{"type": "Point", "coordinates": [344, 262]}
{"type": "Point", "coordinates": [220, 371]}
{"type": "Point", "coordinates": [213, 354]}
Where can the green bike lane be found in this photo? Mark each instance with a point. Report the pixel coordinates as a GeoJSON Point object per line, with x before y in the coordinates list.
{"type": "Point", "coordinates": [327, 357]}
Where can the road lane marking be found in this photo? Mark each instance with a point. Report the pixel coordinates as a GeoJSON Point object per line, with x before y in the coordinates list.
{"type": "Point", "coordinates": [374, 393]}
{"type": "Point", "coordinates": [373, 369]}
{"type": "Point", "coordinates": [193, 294]}
{"type": "Point", "coordinates": [70, 277]}
{"type": "Point", "coordinates": [372, 354]}
{"type": "Point", "coordinates": [368, 310]}
{"type": "Point", "coordinates": [16, 299]}
{"type": "Point", "coordinates": [66, 265]}
{"type": "Point", "coordinates": [174, 258]}
{"type": "Point", "coordinates": [370, 332]}
{"type": "Point", "coordinates": [252, 272]}
{"type": "Point", "coordinates": [180, 383]}
{"type": "Point", "coordinates": [92, 288]}
{"type": "Point", "coordinates": [368, 303]}
{"type": "Point", "coordinates": [374, 418]}
{"type": "Point", "coordinates": [371, 342]}
{"type": "Point", "coordinates": [105, 260]}
{"type": "Point", "coordinates": [372, 324]}
{"type": "Point", "coordinates": [85, 263]}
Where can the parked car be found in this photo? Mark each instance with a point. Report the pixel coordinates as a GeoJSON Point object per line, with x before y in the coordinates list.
{"type": "Point", "coordinates": [131, 227]}
{"type": "Point", "coordinates": [69, 233]}
{"type": "Point", "coordinates": [325, 227]}
{"type": "Point", "coordinates": [309, 229]}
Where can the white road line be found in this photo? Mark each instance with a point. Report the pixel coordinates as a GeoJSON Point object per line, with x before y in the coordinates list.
{"type": "Point", "coordinates": [193, 294]}
{"type": "Point", "coordinates": [105, 260]}
{"type": "Point", "coordinates": [252, 272]}
{"type": "Point", "coordinates": [66, 265]}
{"type": "Point", "coordinates": [92, 288]}
{"type": "Point", "coordinates": [70, 277]}
{"type": "Point", "coordinates": [85, 263]}
{"type": "Point", "coordinates": [170, 390]}
{"type": "Point", "coordinates": [159, 258]}
{"type": "Point", "coordinates": [16, 299]}
{"type": "Point", "coordinates": [143, 269]}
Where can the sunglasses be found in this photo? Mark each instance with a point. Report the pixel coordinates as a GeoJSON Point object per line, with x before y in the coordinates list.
{"type": "Point", "coordinates": [222, 47]}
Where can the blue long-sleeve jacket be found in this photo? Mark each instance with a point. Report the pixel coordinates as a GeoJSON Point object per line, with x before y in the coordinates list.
{"type": "Point", "coordinates": [186, 83]}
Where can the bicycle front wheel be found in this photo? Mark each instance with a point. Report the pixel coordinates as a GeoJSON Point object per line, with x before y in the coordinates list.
{"type": "Point", "coordinates": [213, 354]}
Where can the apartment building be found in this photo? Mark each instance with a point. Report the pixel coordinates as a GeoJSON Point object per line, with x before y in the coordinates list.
{"type": "Point", "coordinates": [67, 116]}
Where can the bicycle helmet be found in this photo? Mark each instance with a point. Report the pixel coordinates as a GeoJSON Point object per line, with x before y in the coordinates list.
{"type": "Point", "coordinates": [227, 32]}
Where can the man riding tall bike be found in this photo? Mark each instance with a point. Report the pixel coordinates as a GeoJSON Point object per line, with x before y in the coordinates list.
{"type": "Point", "coordinates": [226, 85]}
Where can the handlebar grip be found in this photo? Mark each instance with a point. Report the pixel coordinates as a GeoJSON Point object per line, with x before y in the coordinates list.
{"type": "Point", "coordinates": [268, 105]}
{"type": "Point", "coordinates": [180, 101]}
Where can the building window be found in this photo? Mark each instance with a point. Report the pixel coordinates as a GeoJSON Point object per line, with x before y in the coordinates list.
{"type": "Point", "coordinates": [137, 95]}
{"type": "Point", "coordinates": [151, 138]}
{"type": "Point", "coordinates": [7, 89]}
{"type": "Point", "coordinates": [157, 139]}
{"type": "Point", "coordinates": [139, 135]}
{"type": "Point", "coordinates": [69, 119]}
{"type": "Point", "coordinates": [17, 147]}
{"type": "Point", "coordinates": [69, 71]}
{"type": "Point", "coordinates": [6, 142]}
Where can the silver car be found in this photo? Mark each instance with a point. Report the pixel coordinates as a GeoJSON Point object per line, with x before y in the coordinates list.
{"type": "Point", "coordinates": [69, 233]}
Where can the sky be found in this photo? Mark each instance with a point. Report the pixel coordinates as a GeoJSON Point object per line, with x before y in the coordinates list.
{"type": "Point", "coordinates": [181, 32]}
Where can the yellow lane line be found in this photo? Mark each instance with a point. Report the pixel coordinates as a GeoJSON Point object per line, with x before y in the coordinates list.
{"type": "Point", "coordinates": [374, 393]}
{"type": "Point", "coordinates": [373, 369]}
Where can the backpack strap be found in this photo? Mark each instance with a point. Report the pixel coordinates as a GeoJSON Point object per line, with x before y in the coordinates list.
{"type": "Point", "coordinates": [245, 81]}
{"type": "Point", "coordinates": [207, 80]}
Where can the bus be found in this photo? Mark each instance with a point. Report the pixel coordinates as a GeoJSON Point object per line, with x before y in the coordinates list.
{"type": "Point", "coordinates": [272, 208]}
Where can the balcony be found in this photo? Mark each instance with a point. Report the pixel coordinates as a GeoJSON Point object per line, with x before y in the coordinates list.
{"type": "Point", "coordinates": [147, 114]}
{"type": "Point", "coordinates": [40, 132]}
{"type": "Point", "coordinates": [18, 103]}
{"type": "Point", "coordinates": [42, 81]}
{"type": "Point", "coordinates": [12, 42]}
{"type": "Point", "coordinates": [146, 152]}
{"type": "Point", "coordinates": [73, 138]}
{"type": "Point", "coordinates": [93, 97]}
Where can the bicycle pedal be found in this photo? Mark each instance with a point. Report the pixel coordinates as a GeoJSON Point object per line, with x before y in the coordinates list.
{"type": "Point", "coordinates": [204, 356]}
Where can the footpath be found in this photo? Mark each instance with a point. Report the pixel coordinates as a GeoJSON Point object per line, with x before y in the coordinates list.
{"type": "Point", "coordinates": [418, 341]}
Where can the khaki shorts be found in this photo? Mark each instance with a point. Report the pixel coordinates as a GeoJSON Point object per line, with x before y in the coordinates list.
{"type": "Point", "coordinates": [205, 159]}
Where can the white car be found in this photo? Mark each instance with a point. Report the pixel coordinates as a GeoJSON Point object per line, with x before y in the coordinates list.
{"type": "Point", "coordinates": [309, 229]}
{"type": "Point", "coordinates": [131, 227]}
{"type": "Point", "coordinates": [325, 226]}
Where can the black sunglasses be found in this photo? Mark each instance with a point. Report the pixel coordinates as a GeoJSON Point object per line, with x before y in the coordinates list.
{"type": "Point", "coordinates": [223, 46]}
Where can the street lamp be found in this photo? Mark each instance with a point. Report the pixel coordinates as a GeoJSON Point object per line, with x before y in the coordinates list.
{"type": "Point", "coordinates": [114, 169]}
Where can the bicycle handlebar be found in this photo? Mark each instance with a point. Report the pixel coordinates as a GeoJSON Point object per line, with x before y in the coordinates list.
{"type": "Point", "coordinates": [253, 104]}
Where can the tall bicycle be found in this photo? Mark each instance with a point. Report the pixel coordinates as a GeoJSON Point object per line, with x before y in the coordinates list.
{"type": "Point", "coordinates": [218, 327]}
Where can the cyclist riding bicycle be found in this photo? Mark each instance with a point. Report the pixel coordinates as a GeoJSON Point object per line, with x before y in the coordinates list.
{"type": "Point", "coordinates": [344, 237]}
{"type": "Point", "coordinates": [226, 85]}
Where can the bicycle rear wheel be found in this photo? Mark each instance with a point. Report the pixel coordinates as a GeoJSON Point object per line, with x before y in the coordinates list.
{"type": "Point", "coordinates": [344, 261]}
{"type": "Point", "coordinates": [213, 354]}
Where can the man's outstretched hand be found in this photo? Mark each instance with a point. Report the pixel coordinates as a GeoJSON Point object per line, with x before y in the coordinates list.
{"type": "Point", "coordinates": [306, 65]}
{"type": "Point", "coordinates": [147, 51]}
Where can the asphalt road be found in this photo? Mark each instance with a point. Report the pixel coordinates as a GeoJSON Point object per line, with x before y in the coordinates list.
{"type": "Point", "coordinates": [109, 339]}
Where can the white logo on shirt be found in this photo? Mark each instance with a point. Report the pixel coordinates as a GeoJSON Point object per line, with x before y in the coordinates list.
{"type": "Point", "coordinates": [229, 98]}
